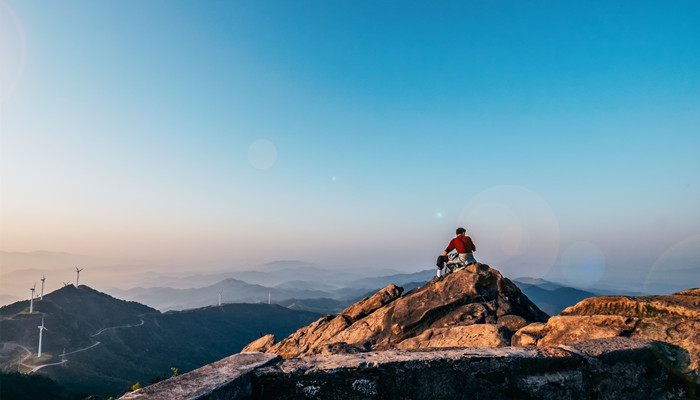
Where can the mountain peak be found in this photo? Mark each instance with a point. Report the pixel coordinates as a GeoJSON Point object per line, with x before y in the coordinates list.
{"type": "Point", "coordinates": [468, 307]}
{"type": "Point", "coordinates": [82, 307]}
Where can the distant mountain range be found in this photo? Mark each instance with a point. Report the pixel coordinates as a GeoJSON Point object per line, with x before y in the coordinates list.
{"type": "Point", "coordinates": [21, 270]}
{"type": "Point", "coordinates": [284, 282]}
{"type": "Point", "coordinates": [232, 291]}
{"type": "Point", "coordinates": [323, 296]}
{"type": "Point", "coordinates": [297, 284]}
{"type": "Point", "coordinates": [272, 274]}
{"type": "Point", "coordinates": [111, 344]}
{"type": "Point", "coordinates": [551, 297]}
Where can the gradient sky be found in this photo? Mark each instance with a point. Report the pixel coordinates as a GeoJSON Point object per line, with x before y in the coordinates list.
{"type": "Point", "coordinates": [565, 136]}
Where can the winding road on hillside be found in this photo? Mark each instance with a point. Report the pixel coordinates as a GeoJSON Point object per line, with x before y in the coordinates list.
{"type": "Point", "coordinates": [116, 327]}
{"type": "Point", "coordinates": [34, 368]}
{"type": "Point", "coordinates": [12, 345]}
{"type": "Point", "coordinates": [38, 367]}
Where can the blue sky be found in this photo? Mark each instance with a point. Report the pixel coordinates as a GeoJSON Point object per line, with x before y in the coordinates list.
{"type": "Point", "coordinates": [355, 133]}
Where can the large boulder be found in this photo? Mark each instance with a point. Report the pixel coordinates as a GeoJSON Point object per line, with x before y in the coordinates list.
{"type": "Point", "coordinates": [433, 315]}
{"type": "Point", "coordinates": [673, 319]}
{"type": "Point", "coordinates": [571, 329]}
{"type": "Point", "coordinates": [477, 335]}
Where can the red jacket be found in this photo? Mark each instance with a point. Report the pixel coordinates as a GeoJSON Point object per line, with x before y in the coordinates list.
{"type": "Point", "coordinates": [463, 244]}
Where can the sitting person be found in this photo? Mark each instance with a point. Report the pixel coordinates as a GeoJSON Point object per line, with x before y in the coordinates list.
{"type": "Point", "coordinates": [464, 246]}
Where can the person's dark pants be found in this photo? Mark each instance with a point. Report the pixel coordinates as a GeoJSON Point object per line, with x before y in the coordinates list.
{"type": "Point", "coordinates": [441, 261]}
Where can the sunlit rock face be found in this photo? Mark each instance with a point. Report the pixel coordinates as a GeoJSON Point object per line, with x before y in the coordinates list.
{"type": "Point", "coordinates": [442, 313]}
{"type": "Point", "coordinates": [673, 319]}
{"type": "Point", "coordinates": [261, 345]}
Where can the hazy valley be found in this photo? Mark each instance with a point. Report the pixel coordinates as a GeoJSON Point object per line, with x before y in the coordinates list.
{"type": "Point", "coordinates": [113, 340]}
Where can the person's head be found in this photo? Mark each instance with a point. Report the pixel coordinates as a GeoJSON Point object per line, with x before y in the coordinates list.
{"type": "Point", "coordinates": [461, 231]}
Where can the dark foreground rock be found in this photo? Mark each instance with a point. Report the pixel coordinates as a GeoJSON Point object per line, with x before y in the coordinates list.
{"type": "Point", "coordinates": [611, 368]}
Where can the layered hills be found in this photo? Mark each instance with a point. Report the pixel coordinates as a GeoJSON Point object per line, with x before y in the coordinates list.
{"type": "Point", "coordinates": [303, 287]}
{"type": "Point", "coordinates": [97, 344]}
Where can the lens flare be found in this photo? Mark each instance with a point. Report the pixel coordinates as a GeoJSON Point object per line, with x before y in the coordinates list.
{"type": "Point", "coordinates": [677, 269]}
{"type": "Point", "coordinates": [514, 240]}
{"type": "Point", "coordinates": [582, 264]}
{"type": "Point", "coordinates": [514, 229]}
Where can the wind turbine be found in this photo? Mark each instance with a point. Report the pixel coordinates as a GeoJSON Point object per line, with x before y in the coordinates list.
{"type": "Point", "coordinates": [43, 278]}
{"type": "Point", "coordinates": [219, 299]}
{"type": "Point", "coordinates": [65, 283]}
{"type": "Point", "coordinates": [42, 328]}
{"type": "Point", "coordinates": [31, 302]}
{"type": "Point", "coordinates": [269, 296]}
{"type": "Point", "coordinates": [77, 277]}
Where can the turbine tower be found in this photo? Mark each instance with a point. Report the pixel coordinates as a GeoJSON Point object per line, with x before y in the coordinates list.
{"type": "Point", "coordinates": [42, 328]}
{"type": "Point", "coordinates": [43, 278]}
{"type": "Point", "coordinates": [31, 301]}
{"type": "Point", "coordinates": [77, 276]}
{"type": "Point", "coordinates": [219, 299]}
{"type": "Point", "coordinates": [269, 296]}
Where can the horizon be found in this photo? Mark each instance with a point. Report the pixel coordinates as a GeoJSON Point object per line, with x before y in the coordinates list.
{"type": "Point", "coordinates": [564, 137]}
{"type": "Point", "coordinates": [113, 279]}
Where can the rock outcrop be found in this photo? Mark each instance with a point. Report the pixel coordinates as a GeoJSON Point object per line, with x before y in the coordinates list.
{"type": "Point", "coordinates": [442, 313]}
{"type": "Point", "coordinates": [673, 319]}
{"type": "Point", "coordinates": [612, 368]}
{"type": "Point", "coordinates": [477, 335]}
{"type": "Point", "coordinates": [261, 345]}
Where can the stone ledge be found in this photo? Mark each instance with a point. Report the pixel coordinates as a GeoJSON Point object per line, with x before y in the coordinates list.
{"type": "Point", "coordinates": [228, 378]}
{"type": "Point", "coordinates": [629, 370]}
{"type": "Point", "coordinates": [619, 368]}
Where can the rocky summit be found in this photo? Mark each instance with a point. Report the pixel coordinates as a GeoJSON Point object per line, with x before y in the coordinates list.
{"type": "Point", "coordinates": [474, 307]}
{"type": "Point", "coordinates": [478, 307]}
